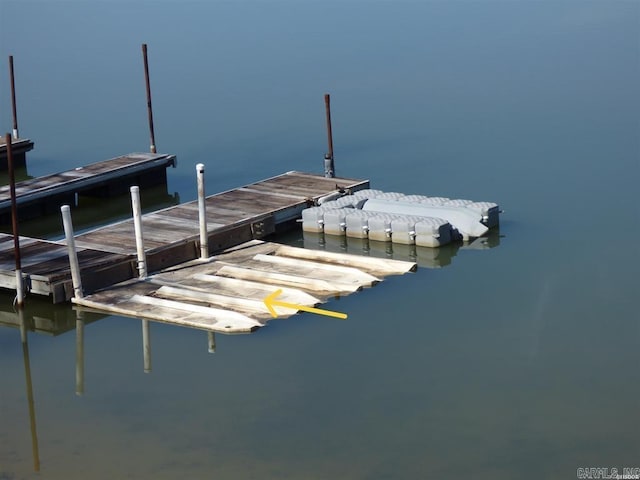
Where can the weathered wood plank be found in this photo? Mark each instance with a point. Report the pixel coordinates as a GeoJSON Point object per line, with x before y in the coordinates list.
{"type": "Point", "coordinates": [275, 278]}
{"type": "Point", "coordinates": [253, 290]}
{"type": "Point", "coordinates": [374, 265]}
{"type": "Point", "coordinates": [345, 274]}
{"type": "Point", "coordinates": [237, 302]}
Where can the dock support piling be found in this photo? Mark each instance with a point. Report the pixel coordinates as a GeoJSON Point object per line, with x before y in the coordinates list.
{"type": "Point", "coordinates": [14, 224]}
{"type": "Point", "coordinates": [13, 98]}
{"type": "Point", "coordinates": [202, 213]}
{"type": "Point", "coordinates": [73, 254]}
{"type": "Point", "coordinates": [329, 167]}
{"type": "Point", "coordinates": [146, 346]}
{"type": "Point", "coordinates": [137, 223]}
{"type": "Point", "coordinates": [152, 147]}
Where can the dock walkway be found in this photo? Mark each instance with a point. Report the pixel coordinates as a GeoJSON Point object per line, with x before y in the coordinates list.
{"type": "Point", "coordinates": [45, 194]}
{"type": "Point", "coordinates": [107, 255]}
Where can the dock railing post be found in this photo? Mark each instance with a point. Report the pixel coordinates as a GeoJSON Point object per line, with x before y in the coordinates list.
{"type": "Point", "coordinates": [329, 167]}
{"type": "Point", "coordinates": [13, 98]}
{"type": "Point", "coordinates": [73, 254]}
{"type": "Point", "coordinates": [137, 223]}
{"type": "Point", "coordinates": [202, 213]}
{"type": "Point", "coordinates": [14, 224]}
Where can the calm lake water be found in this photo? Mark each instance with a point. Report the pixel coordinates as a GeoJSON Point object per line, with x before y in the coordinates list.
{"type": "Point", "coordinates": [517, 361]}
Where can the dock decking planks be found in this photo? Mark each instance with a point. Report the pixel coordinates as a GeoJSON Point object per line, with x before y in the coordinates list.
{"type": "Point", "coordinates": [45, 264]}
{"type": "Point", "coordinates": [196, 295]}
{"type": "Point", "coordinates": [108, 254]}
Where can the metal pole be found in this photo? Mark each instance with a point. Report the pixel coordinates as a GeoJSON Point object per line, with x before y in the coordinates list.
{"type": "Point", "coordinates": [149, 109]}
{"type": "Point", "coordinates": [146, 346]}
{"type": "Point", "coordinates": [73, 254]}
{"type": "Point", "coordinates": [202, 213]}
{"type": "Point", "coordinates": [137, 222]}
{"type": "Point", "coordinates": [13, 98]}
{"type": "Point", "coordinates": [329, 169]}
{"type": "Point", "coordinates": [14, 224]}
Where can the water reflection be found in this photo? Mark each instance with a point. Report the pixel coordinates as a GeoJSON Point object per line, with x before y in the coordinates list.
{"type": "Point", "coordinates": [42, 318]}
{"type": "Point", "coordinates": [27, 373]}
{"type": "Point", "coordinates": [79, 353]}
{"type": "Point", "coordinates": [20, 172]}
{"type": "Point", "coordinates": [92, 211]}
{"type": "Point", "coordinates": [425, 257]}
{"type": "Point", "coordinates": [146, 346]}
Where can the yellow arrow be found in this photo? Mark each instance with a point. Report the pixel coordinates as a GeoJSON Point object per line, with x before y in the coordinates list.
{"type": "Point", "coordinates": [270, 302]}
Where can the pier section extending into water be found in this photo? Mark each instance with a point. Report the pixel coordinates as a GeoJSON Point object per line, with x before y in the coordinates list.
{"type": "Point", "coordinates": [44, 195]}
{"type": "Point", "coordinates": [107, 255]}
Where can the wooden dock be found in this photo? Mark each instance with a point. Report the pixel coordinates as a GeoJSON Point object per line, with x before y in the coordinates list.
{"type": "Point", "coordinates": [19, 148]}
{"type": "Point", "coordinates": [45, 265]}
{"type": "Point", "coordinates": [107, 255]}
{"type": "Point", "coordinates": [226, 293]}
{"type": "Point", "coordinates": [44, 195]}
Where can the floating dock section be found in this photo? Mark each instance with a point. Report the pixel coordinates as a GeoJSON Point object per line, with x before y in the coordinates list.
{"type": "Point", "coordinates": [226, 293]}
{"type": "Point", "coordinates": [44, 195]}
{"type": "Point", "coordinates": [399, 218]}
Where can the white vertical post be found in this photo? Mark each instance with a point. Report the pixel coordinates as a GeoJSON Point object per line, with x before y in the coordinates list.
{"type": "Point", "coordinates": [202, 213]}
{"type": "Point", "coordinates": [146, 346]}
{"type": "Point", "coordinates": [137, 222]}
{"type": "Point", "coordinates": [73, 254]}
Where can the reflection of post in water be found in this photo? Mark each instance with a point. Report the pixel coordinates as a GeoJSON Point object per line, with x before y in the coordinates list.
{"type": "Point", "coordinates": [79, 352]}
{"type": "Point", "coordinates": [146, 346]}
{"type": "Point", "coordinates": [27, 372]}
{"type": "Point", "coordinates": [212, 342]}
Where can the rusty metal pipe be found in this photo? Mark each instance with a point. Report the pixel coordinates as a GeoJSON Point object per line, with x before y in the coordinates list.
{"type": "Point", "coordinates": [329, 168]}
{"type": "Point", "coordinates": [13, 98]}
{"type": "Point", "coordinates": [14, 223]}
{"type": "Point", "coordinates": [149, 109]}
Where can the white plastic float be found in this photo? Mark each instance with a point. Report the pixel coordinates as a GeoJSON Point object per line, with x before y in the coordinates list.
{"type": "Point", "coordinates": [406, 219]}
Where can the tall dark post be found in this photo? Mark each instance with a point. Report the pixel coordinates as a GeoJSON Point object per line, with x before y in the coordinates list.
{"type": "Point", "coordinates": [329, 170]}
{"type": "Point", "coordinates": [13, 98]}
{"type": "Point", "coordinates": [14, 223]}
{"type": "Point", "coordinates": [149, 109]}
